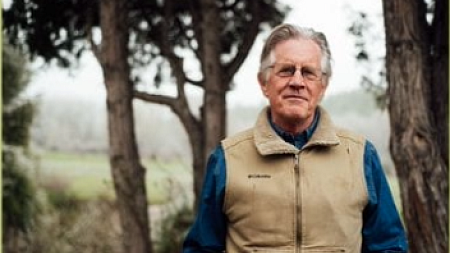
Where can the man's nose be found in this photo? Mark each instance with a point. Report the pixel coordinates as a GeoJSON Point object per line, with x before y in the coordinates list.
{"type": "Point", "coordinates": [297, 79]}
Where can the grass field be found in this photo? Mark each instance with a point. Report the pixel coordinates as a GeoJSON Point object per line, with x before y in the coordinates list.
{"type": "Point", "coordinates": [89, 176]}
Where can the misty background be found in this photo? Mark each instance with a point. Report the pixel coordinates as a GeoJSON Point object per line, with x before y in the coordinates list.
{"type": "Point", "coordinates": [75, 124]}
{"type": "Point", "coordinates": [71, 109]}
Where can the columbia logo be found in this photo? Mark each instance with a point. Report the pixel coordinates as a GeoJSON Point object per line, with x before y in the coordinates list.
{"type": "Point", "coordinates": [259, 176]}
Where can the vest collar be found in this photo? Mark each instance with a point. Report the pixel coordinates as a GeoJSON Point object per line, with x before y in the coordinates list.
{"type": "Point", "coordinates": [268, 142]}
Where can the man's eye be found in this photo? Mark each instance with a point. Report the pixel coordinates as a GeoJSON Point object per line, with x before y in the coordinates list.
{"type": "Point", "coordinates": [287, 70]}
{"type": "Point", "coordinates": [308, 73]}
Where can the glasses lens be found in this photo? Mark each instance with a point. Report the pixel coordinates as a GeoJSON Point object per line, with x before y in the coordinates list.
{"type": "Point", "coordinates": [284, 70]}
{"type": "Point", "coordinates": [288, 70]}
{"type": "Point", "coordinates": [310, 74]}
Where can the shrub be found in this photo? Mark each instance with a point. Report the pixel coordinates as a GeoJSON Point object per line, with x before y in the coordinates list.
{"type": "Point", "coordinates": [172, 229]}
{"type": "Point", "coordinates": [20, 207]}
{"type": "Point", "coordinates": [91, 227]}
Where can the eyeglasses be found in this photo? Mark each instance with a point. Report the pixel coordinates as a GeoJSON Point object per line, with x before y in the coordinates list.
{"type": "Point", "coordinates": [288, 70]}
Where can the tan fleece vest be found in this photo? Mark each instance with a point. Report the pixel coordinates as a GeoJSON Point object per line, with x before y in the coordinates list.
{"type": "Point", "coordinates": [281, 199]}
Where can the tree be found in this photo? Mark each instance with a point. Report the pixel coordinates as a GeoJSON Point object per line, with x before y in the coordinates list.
{"type": "Point", "coordinates": [417, 75]}
{"type": "Point", "coordinates": [134, 34]}
{"type": "Point", "coordinates": [127, 171]}
{"type": "Point", "coordinates": [60, 31]}
{"type": "Point", "coordinates": [19, 205]}
{"type": "Point", "coordinates": [219, 34]}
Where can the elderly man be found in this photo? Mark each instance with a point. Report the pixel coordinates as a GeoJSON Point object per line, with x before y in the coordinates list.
{"type": "Point", "coordinates": [295, 182]}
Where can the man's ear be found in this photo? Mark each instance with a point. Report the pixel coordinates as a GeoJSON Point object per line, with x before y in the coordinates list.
{"type": "Point", "coordinates": [262, 82]}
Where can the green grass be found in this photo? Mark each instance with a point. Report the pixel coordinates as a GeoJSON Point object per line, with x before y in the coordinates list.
{"type": "Point", "coordinates": [88, 176]}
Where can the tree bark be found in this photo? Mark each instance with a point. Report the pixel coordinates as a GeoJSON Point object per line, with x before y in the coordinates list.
{"type": "Point", "coordinates": [439, 70]}
{"type": "Point", "coordinates": [127, 172]}
{"type": "Point", "coordinates": [414, 142]}
{"type": "Point", "coordinates": [196, 140]}
{"type": "Point", "coordinates": [214, 107]}
{"type": "Point", "coordinates": [205, 132]}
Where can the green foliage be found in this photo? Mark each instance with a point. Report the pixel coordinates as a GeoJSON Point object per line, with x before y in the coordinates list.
{"type": "Point", "coordinates": [20, 206]}
{"type": "Point", "coordinates": [17, 114]}
{"type": "Point", "coordinates": [63, 200]}
{"type": "Point", "coordinates": [174, 220]}
{"type": "Point", "coordinates": [19, 203]}
{"type": "Point", "coordinates": [17, 123]}
{"type": "Point", "coordinates": [173, 229]}
{"type": "Point", "coordinates": [50, 28]}
{"type": "Point", "coordinates": [14, 73]}
{"type": "Point", "coordinates": [62, 30]}
{"type": "Point", "coordinates": [92, 227]}
{"type": "Point", "coordinates": [51, 218]}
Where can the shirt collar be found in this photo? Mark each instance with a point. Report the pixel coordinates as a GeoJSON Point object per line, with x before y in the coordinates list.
{"type": "Point", "coordinates": [298, 140]}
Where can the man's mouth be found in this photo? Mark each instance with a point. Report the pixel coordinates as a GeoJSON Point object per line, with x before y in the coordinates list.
{"type": "Point", "coordinates": [296, 97]}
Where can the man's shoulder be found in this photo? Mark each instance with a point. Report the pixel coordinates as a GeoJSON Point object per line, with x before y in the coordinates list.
{"type": "Point", "coordinates": [238, 138]}
{"type": "Point", "coordinates": [350, 136]}
{"type": "Point", "coordinates": [342, 133]}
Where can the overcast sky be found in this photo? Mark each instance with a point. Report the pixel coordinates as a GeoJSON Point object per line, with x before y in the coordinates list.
{"type": "Point", "coordinates": [332, 17]}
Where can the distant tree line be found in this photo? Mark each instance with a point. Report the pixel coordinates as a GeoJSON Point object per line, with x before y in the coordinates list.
{"type": "Point", "coordinates": [71, 124]}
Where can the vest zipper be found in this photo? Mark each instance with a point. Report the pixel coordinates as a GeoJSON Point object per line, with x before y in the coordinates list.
{"type": "Point", "coordinates": [298, 228]}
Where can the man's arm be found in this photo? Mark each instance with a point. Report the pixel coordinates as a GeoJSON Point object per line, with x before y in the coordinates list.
{"type": "Point", "coordinates": [208, 232]}
{"type": "Point", "coordinates": [382, 228]}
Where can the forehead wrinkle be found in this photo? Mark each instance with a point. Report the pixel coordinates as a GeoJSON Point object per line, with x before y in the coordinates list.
{"type": "Point", "coordinates": [307, 54]}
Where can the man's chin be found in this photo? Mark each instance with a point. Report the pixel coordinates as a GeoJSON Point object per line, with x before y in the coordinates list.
{"type": "Point", "coordinates": [297, 116]}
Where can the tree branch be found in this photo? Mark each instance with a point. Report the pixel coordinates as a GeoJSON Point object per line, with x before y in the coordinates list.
{"type": "Point", "coordinates": [167, 51]}
{"type": "Point", "coordinates": [156, 99]}
{"type": "Point", "coordinates": [94, 47]}
{"type": "Point", "coordinates": [89, 25]}
{"type": "Point", "coordinates": [178, 105]}
{"type": "Point", "coordinates": [247, 42]}
{"type": "Point", "coordinates": [195, 83]}
{"type": "Point", "coordinates": [195, 11]}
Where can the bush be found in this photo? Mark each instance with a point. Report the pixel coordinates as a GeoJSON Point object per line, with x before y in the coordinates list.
{"type": "Point", "coordinates": [20, 207]}
{"type": "Point", "coordinates": [173, 219]}
{"type": "Point", "coordinates": [172, 230]}
{"type": "Point", "coordinates": [89, 227]}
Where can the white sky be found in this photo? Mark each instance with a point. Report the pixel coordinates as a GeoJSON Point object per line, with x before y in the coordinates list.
{"type": "Point", "coordinates": [328, 16]}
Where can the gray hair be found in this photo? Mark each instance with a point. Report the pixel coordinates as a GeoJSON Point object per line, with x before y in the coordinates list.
{"type": "Point", "coordinates": [285, 32]}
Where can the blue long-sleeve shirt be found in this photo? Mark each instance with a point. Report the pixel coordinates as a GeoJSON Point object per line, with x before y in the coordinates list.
{"type": "Point", "coordinates": [382, 230]}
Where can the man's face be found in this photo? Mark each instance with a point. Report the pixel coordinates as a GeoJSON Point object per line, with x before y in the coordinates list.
{"type": "Point", "coordinates": [294, 83]}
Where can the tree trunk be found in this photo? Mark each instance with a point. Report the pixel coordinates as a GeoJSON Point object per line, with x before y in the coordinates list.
{"type": "Point", "coordinates": [214, 107]}
{"type": "Point", "coordinates": [198, 162]}
{"type": "Point", "coordinates": [127, 172]}
{"type": "Point", "coordinates": [439, 70]}
{"type": "Point", "coordinates": [415, 147]}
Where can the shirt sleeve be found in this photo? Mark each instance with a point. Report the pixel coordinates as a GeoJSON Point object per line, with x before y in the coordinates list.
{"type": "Point", "coordinates": [208, 232]}
{"type": "Point", "coordinates": [383, 230]}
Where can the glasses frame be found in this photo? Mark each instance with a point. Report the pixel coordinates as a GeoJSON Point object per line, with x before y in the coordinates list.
{"type": "Point", "coordinates": [288, 70]}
